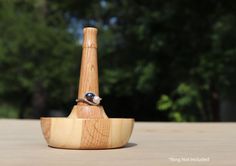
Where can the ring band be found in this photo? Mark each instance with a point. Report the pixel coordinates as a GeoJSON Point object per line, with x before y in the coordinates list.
{"type": "Point", "coordinates": [90, 98]}
{"type": "Point", "coordinates": [85, 101]}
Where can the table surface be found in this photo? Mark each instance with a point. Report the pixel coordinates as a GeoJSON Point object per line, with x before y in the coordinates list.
{"type": "Point", "coordinates": [21, 143]}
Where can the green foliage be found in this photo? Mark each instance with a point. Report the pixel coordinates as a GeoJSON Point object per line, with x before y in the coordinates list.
{"type": "Point", "coordinates": [145, 80]}
{"type": "Point", "coordinates": [181, 103]}
{"type": "Point", "coordinates": [164, 103]}
{"type": "Point", "coordinates": [34, 54]}
{"type": "Point", "coordinates": [174, 58]}
{"type": "Point", "coordinates": [8, 111]}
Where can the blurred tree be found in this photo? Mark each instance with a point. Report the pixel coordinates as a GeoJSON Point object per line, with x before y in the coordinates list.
{"type": "Point", "coordinates": [165, 47]}
{"type": "Point", "coordinates": [177, 57]}
{"type": "Point", "coordinates": [36, 55]}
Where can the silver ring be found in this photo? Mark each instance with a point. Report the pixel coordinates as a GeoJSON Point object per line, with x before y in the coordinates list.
{"type": "Point", "coordinates": [90, 98]}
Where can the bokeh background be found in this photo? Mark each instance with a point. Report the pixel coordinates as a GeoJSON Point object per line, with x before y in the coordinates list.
{"type": "Point", "coordinates": [159, 60]}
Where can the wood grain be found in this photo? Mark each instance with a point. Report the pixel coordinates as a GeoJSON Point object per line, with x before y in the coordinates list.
{"type": "Point", "coordinates": [89, 67]}
{"type": "Point", "coordinates": [87, 126]}
{"type": "Point", "coordinates": [88, 77]}
{"type": "Point", "coordinates": [90, 37]}
{"type": "Point", "coordinates": [87, 111]}
{"type": "Point", "coordinates": [87, 133]}
{"type": "Point", "coordinates": [95, 134]}
{"type": "Point", "coordinates": [88, 72]}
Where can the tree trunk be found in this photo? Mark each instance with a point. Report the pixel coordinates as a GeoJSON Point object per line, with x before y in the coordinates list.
{"type": "Point", "coordinates": [215, 103]}
{"type": "Point", "coordinates": [38, 101]}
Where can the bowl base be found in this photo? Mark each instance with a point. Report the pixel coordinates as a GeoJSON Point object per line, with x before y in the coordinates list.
{"type": "Point", "coordinates": [73, 133]}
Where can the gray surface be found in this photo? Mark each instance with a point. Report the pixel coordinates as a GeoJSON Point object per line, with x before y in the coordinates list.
{"type": "Point", "coordinates": [21, 143]}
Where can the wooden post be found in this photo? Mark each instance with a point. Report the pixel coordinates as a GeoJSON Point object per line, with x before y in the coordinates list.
{"type": "Point", "coordinates": [89, 67]}
{"type": "Point", "coordinates": [88, 78]}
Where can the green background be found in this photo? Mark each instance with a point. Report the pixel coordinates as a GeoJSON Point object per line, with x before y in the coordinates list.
{"type": "Point", "coordinates": [159, 60]}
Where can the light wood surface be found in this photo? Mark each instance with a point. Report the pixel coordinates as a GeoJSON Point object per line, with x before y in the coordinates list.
{"type": "Point", "coordinates": [151, 144]}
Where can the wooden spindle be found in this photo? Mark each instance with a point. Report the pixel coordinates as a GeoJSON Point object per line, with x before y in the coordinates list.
{"type": "Point", "coordinates": [88, 78]}
{"type": "Point", "coordinates": [89, 66]}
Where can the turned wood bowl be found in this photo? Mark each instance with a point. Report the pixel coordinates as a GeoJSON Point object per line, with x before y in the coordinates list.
{"type": "Point", "coordinates": [74, 133]}
{"type": "Point", "coordinates": [87, 126]}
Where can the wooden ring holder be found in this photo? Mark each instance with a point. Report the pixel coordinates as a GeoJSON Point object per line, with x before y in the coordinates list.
{"type": "Point", "coordinates": [87, 127]}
